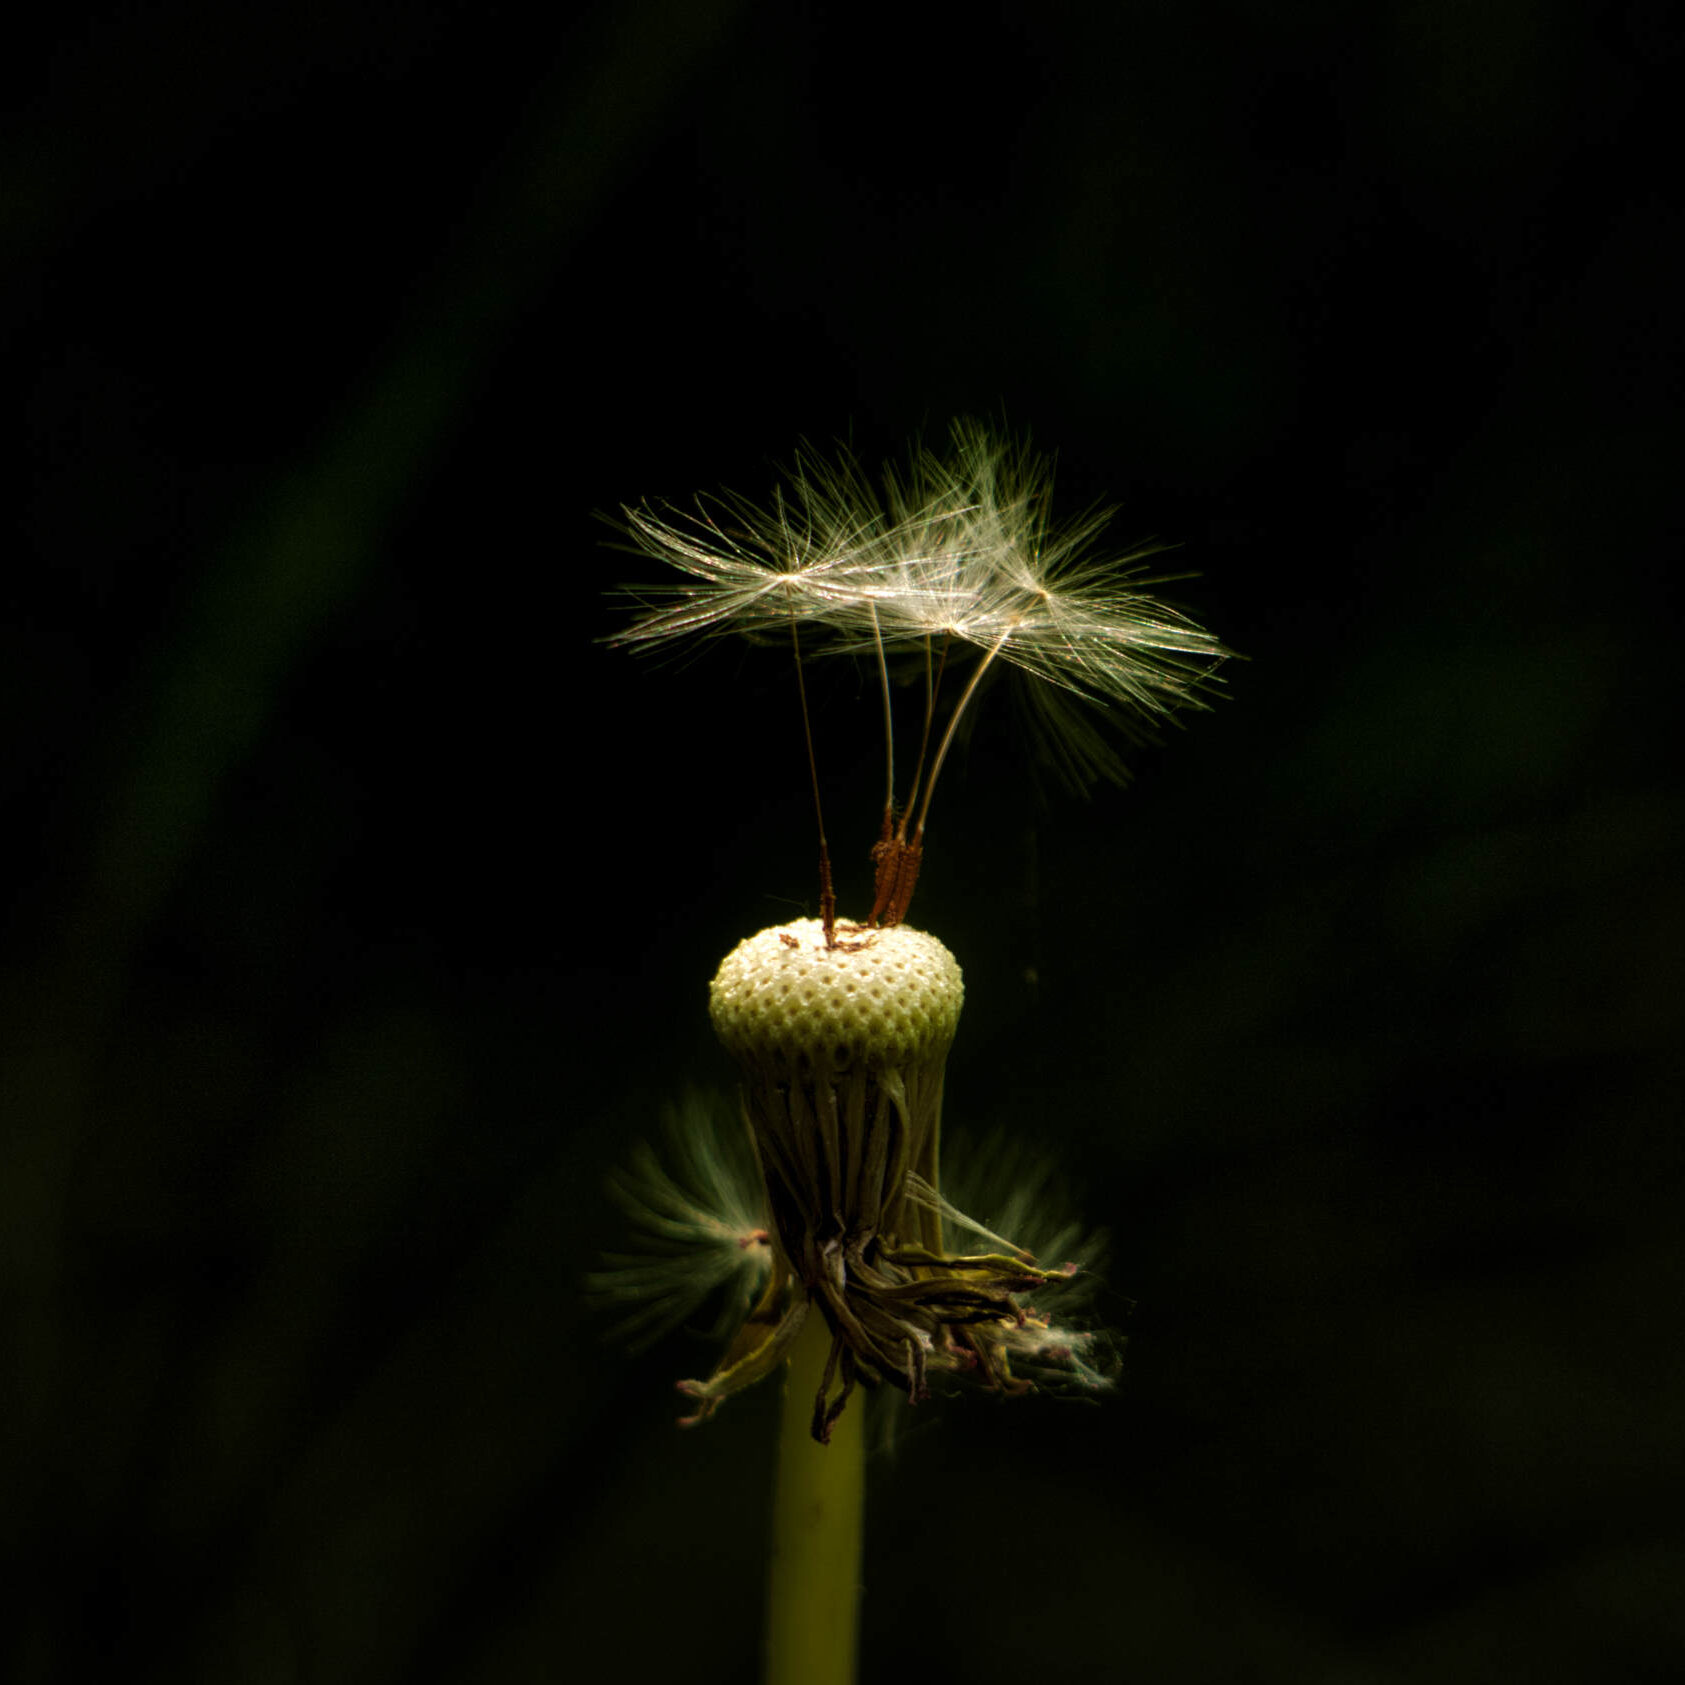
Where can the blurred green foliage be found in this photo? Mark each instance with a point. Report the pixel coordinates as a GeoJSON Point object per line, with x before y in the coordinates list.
{"type": "Point", "coordinates": [363, 907]}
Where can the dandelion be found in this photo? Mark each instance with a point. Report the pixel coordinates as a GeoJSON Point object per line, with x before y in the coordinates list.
{"type": "Point", "coordinates": [845, 1263]}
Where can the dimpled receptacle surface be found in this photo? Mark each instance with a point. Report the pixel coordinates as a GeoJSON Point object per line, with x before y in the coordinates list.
{"type": "Point", "coordinates": [782, 998]}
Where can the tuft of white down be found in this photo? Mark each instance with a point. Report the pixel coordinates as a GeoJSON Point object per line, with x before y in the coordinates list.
{"type": "Point", "coordinates": [880, 998]}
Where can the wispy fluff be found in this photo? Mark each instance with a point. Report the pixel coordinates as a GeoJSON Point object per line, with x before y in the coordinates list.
{"type": "Point", "coordinates": [698, 1230]}
{"type": "Point", "coordinates": [959, 549]}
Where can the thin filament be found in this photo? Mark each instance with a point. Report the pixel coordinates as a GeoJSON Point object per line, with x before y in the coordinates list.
{"type": "Point", "coordinates": [931, 686]}
{"type": "Point", "coordinates": [888, 721]}
{"type": "Point", "coordinates": [827, 894]}
{"type": "Point", "coordinates": [953, 724]}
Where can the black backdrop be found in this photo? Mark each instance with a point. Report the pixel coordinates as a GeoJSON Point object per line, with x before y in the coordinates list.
{"type": "Point", "coordinates": [362, 905]}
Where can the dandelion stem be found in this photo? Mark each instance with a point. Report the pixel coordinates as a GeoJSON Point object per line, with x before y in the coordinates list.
{"type": "Point", "coordinates": [817, 1513]}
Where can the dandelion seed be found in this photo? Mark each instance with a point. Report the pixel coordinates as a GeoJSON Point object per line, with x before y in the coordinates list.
{"type": "Point", "coordinates": [984, 565]}
{"type": "Point", "coordinates": [959, 546]}
{"type": "Point", "coordinates": [955, 555]}
{"type": "Point", "coordinates": [752, 570]}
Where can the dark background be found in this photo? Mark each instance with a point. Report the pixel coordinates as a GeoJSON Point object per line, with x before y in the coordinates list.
{"type": "Point", "coordinates": [362, 906]}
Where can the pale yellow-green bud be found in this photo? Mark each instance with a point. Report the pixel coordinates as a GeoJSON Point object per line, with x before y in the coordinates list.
{"type": "Point", "coordinates": [783, 1000]}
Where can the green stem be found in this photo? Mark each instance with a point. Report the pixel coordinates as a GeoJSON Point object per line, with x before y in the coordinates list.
{"type": "Point", "coordinates": [817, 1511]}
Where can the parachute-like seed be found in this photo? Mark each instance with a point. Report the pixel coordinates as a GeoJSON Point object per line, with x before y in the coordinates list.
{"type": "Point", "coordinates": [956, 553]}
